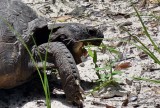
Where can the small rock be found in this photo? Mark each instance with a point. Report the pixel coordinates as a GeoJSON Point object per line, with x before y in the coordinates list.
{"type": "Point", "coordinates": [82, 64]}
{"type": "Point", "coordinates": [129, 81]}
{"type": "Point", "coordinates": [40, 103]}
{"type": "Point", "coordinates": [142, 55]}
{"type": "Point", "coordinates": [135, 105]}
{"type": "Point", "coordinates": [133, 98]}
{"type": "Point", "coordinates": [128, 23]}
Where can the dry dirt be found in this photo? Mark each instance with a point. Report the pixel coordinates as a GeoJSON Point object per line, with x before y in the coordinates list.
{"type": "Point", "coordinates": [109, 16]}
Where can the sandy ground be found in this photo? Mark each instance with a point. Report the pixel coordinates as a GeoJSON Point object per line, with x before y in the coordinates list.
{"type": "Point", "coordinates": [109, 16]}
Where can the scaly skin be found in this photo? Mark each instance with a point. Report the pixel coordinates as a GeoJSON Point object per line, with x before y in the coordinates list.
{"type": "Point", "coordinates": [64, 62]}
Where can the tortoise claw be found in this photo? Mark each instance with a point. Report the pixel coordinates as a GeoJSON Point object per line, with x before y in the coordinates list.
{"type": "Point", "coordinates": [78, 99]}
{"type": "Point", "coordinates": [75, 94]}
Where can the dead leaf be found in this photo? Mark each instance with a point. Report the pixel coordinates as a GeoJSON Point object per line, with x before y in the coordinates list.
{"type": "Point", "coordinates": [98, 103]}
{"type": "Point", "coordinates": [125, 102]}
{"type": "Point", "coordinates": [156, 90]}
{"type": "Point", "coordinates": [140, 33]}
{"type": "Point", "coordinates": [154, 24]}
{"type": "Point", "coordinates": [108, 106]}
{"type": "Point", "coordinates": [63, 18]}
{"type": "Point", "coordinates": [121, 43]}
{"type": "Point", "coordinates": [154, 1]}
{"type": "Point", "coordinates": [148, 2]}
{"type": "Point", "coordinates": [143, 3]}
{"type": "Point", "coordinates": [127, 23]}
{"type": "Point", "coordinates": [123, 66]}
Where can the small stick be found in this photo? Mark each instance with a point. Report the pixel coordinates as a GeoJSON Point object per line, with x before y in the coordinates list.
{"type": "Point", "coordinates": [98, 103]}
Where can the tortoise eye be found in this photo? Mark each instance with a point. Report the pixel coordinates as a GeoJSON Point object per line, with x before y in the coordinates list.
{"type": "Point", "coordinates": [92, 31]}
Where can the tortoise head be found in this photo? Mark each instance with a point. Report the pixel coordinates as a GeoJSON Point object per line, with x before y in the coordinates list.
{"type": "Point", "coordinates": [75, 36]}
{"type": "Point", "coordinates": [95, 36]}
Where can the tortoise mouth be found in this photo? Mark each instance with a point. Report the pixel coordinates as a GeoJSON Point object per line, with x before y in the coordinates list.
{"type": "Point", "coordinates": [79, 52]}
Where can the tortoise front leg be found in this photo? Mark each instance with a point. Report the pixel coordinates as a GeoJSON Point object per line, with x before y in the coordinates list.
{"type": "Point", "coordinates": [59, 55]}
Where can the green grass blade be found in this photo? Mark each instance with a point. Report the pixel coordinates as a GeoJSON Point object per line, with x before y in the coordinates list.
{"type": "Point", "coordinates": [145, 30]}
{"type": "Point", "coordinates": [146, 50]}
{"type": "Point", "coordinates": [147, 79]}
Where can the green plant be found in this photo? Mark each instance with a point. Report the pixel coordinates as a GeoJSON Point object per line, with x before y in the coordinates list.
{"type": "Point", "coordinates": [105, 78]}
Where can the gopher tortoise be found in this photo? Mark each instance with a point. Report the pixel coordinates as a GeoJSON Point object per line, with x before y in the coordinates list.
{"type": "Point", "coordinates": [20, 27]}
